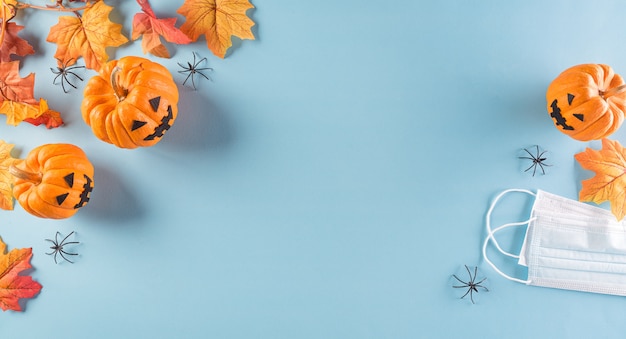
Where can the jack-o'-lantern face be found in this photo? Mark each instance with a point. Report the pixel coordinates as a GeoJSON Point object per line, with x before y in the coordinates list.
{"type": "Point", "coordinates": [161, 128]}
{"type": "Point", "coordinates": [131, 103]}
{"type": "Point", "coordinates": [557, 115]}
{"type": "Point", "coordinates": [54, 181]}
{"type": "Point", "coordinates": [77, 200]}
{"type": "Point", "coordinates": [587, 102]}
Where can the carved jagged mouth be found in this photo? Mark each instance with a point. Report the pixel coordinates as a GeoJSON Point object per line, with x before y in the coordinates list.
{"type": "Point", "coordinates": [165, 124]}
{"type": "Point", "coordinates": [558, 117]}
{"type": "Point", "coordinates": [159, 131]}
{"type": "Point", "coordinates": [84, 196]}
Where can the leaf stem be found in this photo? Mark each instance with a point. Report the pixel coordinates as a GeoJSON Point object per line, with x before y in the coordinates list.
{"type": "Point", "coordinates": [58, 8]}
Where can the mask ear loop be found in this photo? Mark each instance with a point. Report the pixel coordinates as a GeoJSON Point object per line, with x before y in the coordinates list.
{"type": "Point", "coordinates": [491, 232]}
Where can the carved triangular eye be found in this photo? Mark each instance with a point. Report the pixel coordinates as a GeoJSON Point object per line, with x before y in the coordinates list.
{"type": "Point", "coordinates": [154, 103]}
{"type": "Point", "coordinates": [61, 198]}
{"type": "Point", "coordinates": [570, 98]}
{"type": "Point", "coordinates": [137, 124]}
{"type": "Point", "coordinates": [69, 179]}
{"type": "Point", "coordinates": [579, 116]}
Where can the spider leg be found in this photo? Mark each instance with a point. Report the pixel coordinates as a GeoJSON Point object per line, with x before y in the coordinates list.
{"type": "Point", "coordinates": [475, 275]}
{"type": "Point", "coordinates": [469, 290]}
{"type": "Point", "coordinates": [529, 153]}
{"type": "Point", "coordinates": [68, 81]}
{"type": "Point", "coordinates": [470, 274]}
{"type": "Point", "coordinates": [66, 259]}
{"type": "Point", "coordinates": [63, 252]}
{"type": "Point", "coordinates": [471, 293]}
{"type": "Point", "coordinates": [206, 77]}
{"type": "Point", "coordinates": [55, 256]}
{"type": "Point", "coordinates": [67, 236]}
{"type": "Point", "coordinates": [63, 80]}
{"type": "Point", "coordinates": [542, 169]}
{"type": "Point", "coordinates": [74, 67]}
{"type": "Point", "coordinates": [76, 75]}
{"type": "Point", "coordinates": [193, 82]}
{"type": "Point", "coordinates": [187, 78]}
{"type": "Point", "coordinates": [68, 253]}
{"type": "Point", "coordinates": [481, 286]}
{"type": "Point", "coordinates": [54, 82]}
{"type": "Point", "coordinates": [457, 278]}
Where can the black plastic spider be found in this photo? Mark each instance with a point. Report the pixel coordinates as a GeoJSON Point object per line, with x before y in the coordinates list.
{"type": "Point", "coordinates": [192, 69]}
{"type": "Point", "coordinates": [471, 285]}
{"type": "Point", "coordinates": [537, 159]}
{"type": "Point", "coordinates": [57, 247]}
{"type": "Point", "coordinates": [64, 71]}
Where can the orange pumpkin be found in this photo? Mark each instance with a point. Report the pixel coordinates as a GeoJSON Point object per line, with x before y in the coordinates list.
{"type": "Point", "coordinates": [131, 103]}
{"type": "Point", "coordinates": [53, 181]}
{"type": "Point", "coordinates": [587, 102]}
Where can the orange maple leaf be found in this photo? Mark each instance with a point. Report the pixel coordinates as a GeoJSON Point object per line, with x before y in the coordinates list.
{"type": "Point", "coordinates": [218, 20]}
{"type": "Point", "coordinates": [152, 28]}
{"type": "Point", "coordinates": [12, 44]}
{"type": "Point", "coordinates": [14, 286]}
{"type": "Point", "coordinates": [87, 36]}
{"type": "Point", "coordinates": [609, 183]}
{"type": "Point", "coordinates": [13, 87]}
{"type": "Point", "coordinates": [6, 179]}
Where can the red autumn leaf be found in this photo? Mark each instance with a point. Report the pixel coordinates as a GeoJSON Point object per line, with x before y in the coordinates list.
{"type": "Point", "coordinates": [50, 118]}
{"type": "Point", "coordinates": [609, 183]}
{"type": "Point", "coordinates": [218, 20]}
{"type": "Point", "coordinates": [153, 28]}
{"type": "Point", "coordinates": [14, 286]}
{"type": "Point", "coordinates": [87, 36]}
{"type": "Point", "coordinates": [13, 87]}
{"type": "Point", "coordinates": [13, 44]}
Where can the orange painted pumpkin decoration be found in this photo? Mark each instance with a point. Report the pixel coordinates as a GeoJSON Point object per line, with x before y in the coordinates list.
{"type": "Point", "coordinates": [54, 181]}
{"type": "Point", "coordinates": [131, 103]}
{"type": "Point", "coordinates": [587, 102]}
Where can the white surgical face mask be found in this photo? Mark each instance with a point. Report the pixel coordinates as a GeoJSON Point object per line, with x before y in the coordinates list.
{"type": "Point", "coordinates": [568, 245]}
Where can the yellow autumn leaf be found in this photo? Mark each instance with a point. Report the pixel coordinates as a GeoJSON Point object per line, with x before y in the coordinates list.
{"type": "Point", "coordinates": [87, 36]}
{"type": "Point", "coordinates": [218, 20]}
{"type": "Point", "coordinates": [17, 112]}
{"type": "Point", "coordinates": [6, 179]}
{"type": "Point", "coordinates": [609, 182]}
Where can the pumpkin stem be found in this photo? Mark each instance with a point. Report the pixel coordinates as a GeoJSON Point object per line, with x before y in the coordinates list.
{"type": "Point", "coordinates": [613, 91]}
{"type": "Point", "coordinates": [25, 175]}
{"type": "Point", "coordinates": [120, 93]}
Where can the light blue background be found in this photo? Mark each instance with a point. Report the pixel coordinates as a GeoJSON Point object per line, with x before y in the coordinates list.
{"type": "Point", "coordinates": [327, 182]}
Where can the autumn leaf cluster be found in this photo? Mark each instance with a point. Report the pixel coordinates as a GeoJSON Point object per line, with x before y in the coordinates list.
{"type": "Point", "coordinates": [88, 32]}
